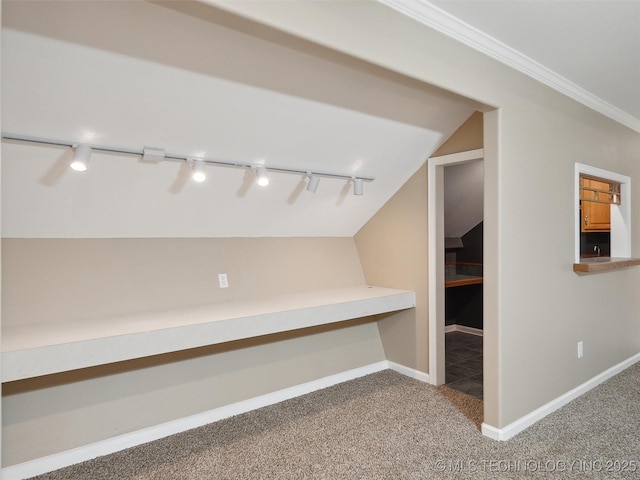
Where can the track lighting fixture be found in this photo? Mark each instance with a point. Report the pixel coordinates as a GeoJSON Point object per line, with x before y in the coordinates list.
{"type": "Point", "coordinates": [155, 155]}
{"type": "Point", "coordinates": [261, 175]}
{"type": "Point", "coordinates": [152, 155]}
{"type": "Point", "coordinates": [198, 174]}
{"type": "Point", "coordinates": [81, 158]}
{"type": "Point", "coordinates": [313, 182]}
{"type": "Point", "coordinates": [357, 186]}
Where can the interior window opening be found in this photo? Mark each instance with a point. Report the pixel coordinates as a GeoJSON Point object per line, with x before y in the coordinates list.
{"type": "Point", "coordinates": [596, 197]}
{"type": "Point", "coordinates": [602, 218]}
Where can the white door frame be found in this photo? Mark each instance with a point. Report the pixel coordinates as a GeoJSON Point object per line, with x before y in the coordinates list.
{"type": "Point", "coordinates": [435, 169]}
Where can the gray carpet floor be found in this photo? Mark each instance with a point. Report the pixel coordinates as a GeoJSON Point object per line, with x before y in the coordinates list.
{"type": "Point", "coordinates": [387, 426]}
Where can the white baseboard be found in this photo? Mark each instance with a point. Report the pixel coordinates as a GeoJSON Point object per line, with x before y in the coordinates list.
{"type": "Point", "coordinates": [409, 372]}
{"type": "Point", "coordinates": [121, 442]}
{"type": "Point", "coordinates": [521, 424]}
{"type": "Point", "coordinates": [461, 328]}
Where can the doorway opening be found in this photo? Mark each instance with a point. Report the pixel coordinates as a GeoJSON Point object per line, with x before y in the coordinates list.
{"type": "Point", "coordinates": [464, 277]}
{"type": "Point", "coordinates": [463, 164]}
{"type": "Point", "coordinates": [463, 231]}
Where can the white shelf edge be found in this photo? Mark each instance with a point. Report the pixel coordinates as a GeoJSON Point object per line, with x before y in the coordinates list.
{"type": "Point", "coordinates": [292, 314]}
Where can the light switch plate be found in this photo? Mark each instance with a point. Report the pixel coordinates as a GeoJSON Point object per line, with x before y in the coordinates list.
{"type": "Point", "coordinates": [223, 280]}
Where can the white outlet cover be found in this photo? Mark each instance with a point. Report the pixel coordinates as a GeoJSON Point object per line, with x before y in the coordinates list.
{"type": "Point", "coordinates": [223, 280]}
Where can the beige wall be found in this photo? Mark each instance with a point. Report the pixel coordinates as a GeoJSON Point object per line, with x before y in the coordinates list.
{"type": "Point", "coordinates": [546, 308]}
{"type": "Point", "coordinates": [542, 308]}
{"type": "Point", "coordinates": [54, 280]}
{"type": "Point", "coordinates": [392, 247]}
{"type": "Point", "coordinates": [469, 136]}
{"type": "Point", "coordinates": [393, 252]}
{"type": "Point", "coordinates": [49, 280]}
{"type": "Point", "coordinates": [60, 412]}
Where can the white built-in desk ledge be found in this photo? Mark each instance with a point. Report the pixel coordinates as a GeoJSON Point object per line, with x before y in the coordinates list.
{"type": "Point", "coordinates": [46, 348]}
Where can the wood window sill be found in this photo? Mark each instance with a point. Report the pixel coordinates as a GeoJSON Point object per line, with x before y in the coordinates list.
{"type": "Point", "coordinates": [602, 264]}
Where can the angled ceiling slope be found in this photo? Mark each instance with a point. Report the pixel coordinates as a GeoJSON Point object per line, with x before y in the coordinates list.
{"type": "Point", "coordinates": [463, 197]}
{"type": "Point", "coordinates": [588, 50]}
{"type": "Point", "coordinates": [194, 80]}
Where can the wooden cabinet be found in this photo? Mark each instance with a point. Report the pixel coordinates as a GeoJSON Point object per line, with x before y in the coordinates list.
{"type": "Point", "coordinates": [595, 216]}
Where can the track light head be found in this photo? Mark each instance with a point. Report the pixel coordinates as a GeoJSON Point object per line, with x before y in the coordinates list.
{"type": "Point", "coordinates": [358, 186]}
{"type": "Point", "coordinates": [152, 155]}
{"type": "Point", "coordinates": [313, 182]}
{"type": "Point", "coordinates": [261, 175]}
{"type": "Point", "coordinates": [81, 158]}
{"type": "Point", "coordinates": [198, 174]}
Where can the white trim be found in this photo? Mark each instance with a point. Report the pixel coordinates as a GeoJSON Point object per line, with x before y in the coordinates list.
{"type": "Point", "coordinates": [464, 329]}
{"type": "Point", "coordinates": [435, 166]}
{"type": "Point", "coordinates": [447, 24]}
{"type": "Point", "coordinates": [121, 442]}
{"type": "Point", "coordinates": [460, 157]}
{"type": "Point", "coordinates": [139, 437]}
{"type": "Point", "coordinates": [492, 432]}
{"type": "Point", "coordinates": [521, 424]}
{"type": "Point", "coordinates": [409, 372]}
{"type": "Point", "coordinates": [620, 214]}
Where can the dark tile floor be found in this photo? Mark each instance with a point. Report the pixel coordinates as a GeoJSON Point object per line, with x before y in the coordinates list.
{"type": "Point", "coordinates": [463, 358]}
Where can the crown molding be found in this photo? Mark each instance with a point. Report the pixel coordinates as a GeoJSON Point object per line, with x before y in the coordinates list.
{"type": "Point", "coordinates": [445, 23]}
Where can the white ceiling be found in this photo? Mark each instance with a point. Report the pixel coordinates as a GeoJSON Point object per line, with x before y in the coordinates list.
{"type": "Point", "coordinates": [587, 49]}
{"type": "Point", "coordinates": [192, 79]}
{"type": "Point", "coordinates": [188, 78]}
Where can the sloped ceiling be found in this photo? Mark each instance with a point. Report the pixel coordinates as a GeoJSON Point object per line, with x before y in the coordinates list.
{"type": "Point", "coordinates": [463, 197]}
{"type": "Point", "coordinates": [194, 80]}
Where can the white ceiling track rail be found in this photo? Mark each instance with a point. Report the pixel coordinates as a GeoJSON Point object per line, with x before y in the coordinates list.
{"type": "Point", "coordinates": [155, 155]}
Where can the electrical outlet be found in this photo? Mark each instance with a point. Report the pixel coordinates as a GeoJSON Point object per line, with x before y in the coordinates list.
{"type": "Point", "coordinates": [223, 280]}
{"type": "Point", "coordinates": [580, 351]}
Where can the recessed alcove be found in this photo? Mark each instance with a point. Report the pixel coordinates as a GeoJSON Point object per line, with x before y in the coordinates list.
{"type": "Point", "coordinates": [618, 225]}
